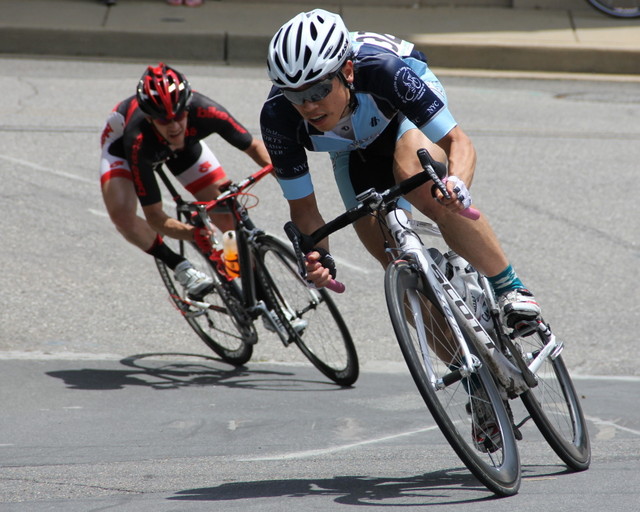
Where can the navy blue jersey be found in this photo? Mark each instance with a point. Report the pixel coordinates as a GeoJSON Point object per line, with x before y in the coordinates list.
{"type": "Point", "coordinates": [391, 79]}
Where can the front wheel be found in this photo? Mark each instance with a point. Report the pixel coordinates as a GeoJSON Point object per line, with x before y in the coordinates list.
{"type": "Point", "coordinates": [310, 316]}
{"type": "Point", "coordinates": [554, 406]}
{"type": "Point", "coordinates": [224, 327]}
{"type": "Point", "coordinates": [469, 411]}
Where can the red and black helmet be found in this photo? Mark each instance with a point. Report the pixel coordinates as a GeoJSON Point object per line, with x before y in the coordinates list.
{"type": "Point", "coordinates": [163, 92]}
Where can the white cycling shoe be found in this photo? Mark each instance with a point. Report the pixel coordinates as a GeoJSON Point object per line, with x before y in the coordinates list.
{"type": "Point", "coordinates": [518, 305]}
{"type": "Point", "coordinates": [196, 283]}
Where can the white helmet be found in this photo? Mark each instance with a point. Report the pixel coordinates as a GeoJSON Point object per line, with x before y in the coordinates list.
{"type": "Point", "coordinates": [308, 47]}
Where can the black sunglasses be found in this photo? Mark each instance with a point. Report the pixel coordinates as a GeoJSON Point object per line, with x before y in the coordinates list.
{"type": "Point", "coordinates": [166, 121]}
{"type": "Point", "coordinates": [315, 92]}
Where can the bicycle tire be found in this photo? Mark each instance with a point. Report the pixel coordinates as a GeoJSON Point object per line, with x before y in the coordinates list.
{"type": "Point", "coordinates": [555, 408]}
{"type": "Point", "coordinates": [227, 329]}
{"type": "Point", "coordinates": [617, 8]}
{"type": "Point", "coordinates": [325, 340]}
{"type": "Point", "coordinates": [496, 465]}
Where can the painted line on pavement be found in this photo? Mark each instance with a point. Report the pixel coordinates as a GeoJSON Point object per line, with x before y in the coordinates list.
{"type": "Point", "coordinates": [316, 453]}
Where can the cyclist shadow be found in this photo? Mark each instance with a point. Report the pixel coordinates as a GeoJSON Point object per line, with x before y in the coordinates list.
{"type": "Point", "coordinates": [437, 488]}
{"type": "Point", "coordinates": [444, 487]}
{"type": "Point", "coordinates": [176, 370]}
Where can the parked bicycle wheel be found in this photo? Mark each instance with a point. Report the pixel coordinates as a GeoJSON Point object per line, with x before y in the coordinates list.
{"type": "Point", "coordinates": [226, 328]}
{"type": "Point", "coordinates": [312, 318]}
{"type": "Point", "coordinates": [555, 408]}
{"type": "Point", "coordinates": [618, 8]}
{"type": "Point", "coordinates": [469, 412]}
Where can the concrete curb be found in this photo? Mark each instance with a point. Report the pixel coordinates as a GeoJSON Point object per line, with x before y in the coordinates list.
{"type": "Point", "coordinates": [238, 33]}
{"type": "Point", "coordinates": [250, 50]}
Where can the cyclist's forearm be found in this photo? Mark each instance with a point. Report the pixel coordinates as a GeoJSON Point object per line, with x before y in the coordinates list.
{"type": "Point", "coordinates": [258, 153]}
{"type": "Point", "coordinates": [305, 214]}
{"type": "Point", "coordinates": [166, 225]}
{"type": "Point", "coordinates": [461, 154]}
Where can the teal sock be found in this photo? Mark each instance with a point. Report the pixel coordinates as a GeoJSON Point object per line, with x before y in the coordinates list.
{"type": "Point", "coordinates": [505, 281]}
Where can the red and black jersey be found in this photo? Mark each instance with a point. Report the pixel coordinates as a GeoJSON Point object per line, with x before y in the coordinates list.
{"type": "Point", "coordinates": [144, 149]}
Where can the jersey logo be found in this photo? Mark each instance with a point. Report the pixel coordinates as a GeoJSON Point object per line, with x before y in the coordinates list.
{"type": "Point", "coordinates": [408, 85]}
{"type": "Point", "coordinates": [204, 167]}
{"type": "Point", "coordinates": [214, 113]}
{"type": "Point", "coordinates": [374, 121]}
{"type": "Point", "coordinates": [105, 134]}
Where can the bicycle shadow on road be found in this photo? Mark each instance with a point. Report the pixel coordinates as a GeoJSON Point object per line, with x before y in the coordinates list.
{"type": "Point", "coordinates": [445, 487]}
{"type": "Point", "coordinates": [437, 488]}
{"type": "Point", "coordinates": [169, 370]}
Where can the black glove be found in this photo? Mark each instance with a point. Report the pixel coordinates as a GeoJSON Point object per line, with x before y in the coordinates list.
{"type": "Point", "coordinates": [326, 260]}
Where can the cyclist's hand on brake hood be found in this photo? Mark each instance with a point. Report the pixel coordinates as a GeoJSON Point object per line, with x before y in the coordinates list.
{"type": "Point", "coordinates": [321, 268]}
{"type": "Point", "coordinates": [202, 238]}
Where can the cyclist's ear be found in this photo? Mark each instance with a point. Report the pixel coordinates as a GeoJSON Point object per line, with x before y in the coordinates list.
{"type": "Point", "coordinates": [347, 73]}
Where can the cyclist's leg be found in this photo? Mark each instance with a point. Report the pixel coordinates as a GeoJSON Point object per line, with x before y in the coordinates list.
{"type": "Point", "coordinates": [118, 192]}
{"type": "Point", "coordinates": [199, 171]}
{"type": "Point", "coordinates": [473, 240]}
{"type": "Point", "coordinates": [121, 202]}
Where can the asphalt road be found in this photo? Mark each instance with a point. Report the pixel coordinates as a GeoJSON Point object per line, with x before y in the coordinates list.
{"type": "Point", "coordinates": [178, 433]}
{"type": "Point", "coordinates": [109, 400]}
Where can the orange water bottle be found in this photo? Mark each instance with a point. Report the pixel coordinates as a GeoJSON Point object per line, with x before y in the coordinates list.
{"type": "Point", "coordinates": [230, 254]}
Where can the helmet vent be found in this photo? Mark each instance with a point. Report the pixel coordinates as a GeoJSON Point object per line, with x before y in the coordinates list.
{"type": "Point", "coordinates": [285, 52]}
{"type": "Point", "coordinates": [308, 47]}
{"type": "Point", "coordinates": [307, 57]}
{"type": "Point", "coordinates": [299, 41]}
{"type": "Point", "coordinates": [311, 75]}
{"type": "Point", "coordinates": [327, 38]}
{"type": "Point", "coordinates": [296, 77]}
{"type": "Point", "coordinates": [332, 52]}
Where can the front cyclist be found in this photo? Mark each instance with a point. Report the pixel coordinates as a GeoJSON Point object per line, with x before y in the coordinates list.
{"type": "Point", "coordinates": [165, 122]}
{"type": "Point", "coordinates": [371, 101]}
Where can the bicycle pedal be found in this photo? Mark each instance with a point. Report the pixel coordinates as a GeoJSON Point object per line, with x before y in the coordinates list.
{"type": "Point", "coordinates": [201, 294]}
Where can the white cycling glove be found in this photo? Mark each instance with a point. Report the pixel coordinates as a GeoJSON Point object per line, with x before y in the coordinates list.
{"type": "Point", "coordinates": [464, 196]}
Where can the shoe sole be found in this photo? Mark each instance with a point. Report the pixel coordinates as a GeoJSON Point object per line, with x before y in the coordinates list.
{"type": "Point", "coordinates": [199, 294]}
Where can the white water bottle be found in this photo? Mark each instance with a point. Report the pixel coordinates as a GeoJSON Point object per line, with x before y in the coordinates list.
{"type": "Point", "coordinates": [464, 279]}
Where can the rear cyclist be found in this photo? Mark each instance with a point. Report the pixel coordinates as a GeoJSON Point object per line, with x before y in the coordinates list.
{"type": "Point", "coordinates": [164, 123]}
{"type": "Point", "coordinates": [371, 101]}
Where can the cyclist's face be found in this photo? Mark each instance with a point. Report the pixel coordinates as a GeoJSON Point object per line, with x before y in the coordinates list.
{"type": "Point", "coordinates": [173, 131]}
{"type": "Point", "coordinates": [325, 114]}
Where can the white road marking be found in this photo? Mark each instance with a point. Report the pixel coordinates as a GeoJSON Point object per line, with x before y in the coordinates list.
{"type": "Point", "coordinates": [48, 170]}
{"type": "Point", "coordinates": [98, 213]}
{"type": "Point", "coordinates": [334, 449]}
{"type": "Point", "coordinates": [612, 424]}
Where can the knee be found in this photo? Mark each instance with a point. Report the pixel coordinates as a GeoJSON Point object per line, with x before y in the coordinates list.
{"type": "Point", "coordinates": [430, 208]}
{"type": "Point", "coordinates": [122, 219]}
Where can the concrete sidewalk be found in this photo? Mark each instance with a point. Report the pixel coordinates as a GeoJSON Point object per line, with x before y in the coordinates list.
{"type": "Point", "coordinates": [579, 39]}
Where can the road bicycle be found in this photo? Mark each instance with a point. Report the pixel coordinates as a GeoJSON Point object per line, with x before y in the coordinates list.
{"type": "Point", "coordinates": [618, 8]}
{"type": "Point", "coordinates": [465, 363]}
{"type": "Point", "coordinates": [269, 287]}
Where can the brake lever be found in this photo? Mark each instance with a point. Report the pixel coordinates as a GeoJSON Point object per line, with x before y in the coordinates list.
{"type": "Point", "coordinates": [302, 245]}
{"type": "Point", "coordinates": [427, 165]}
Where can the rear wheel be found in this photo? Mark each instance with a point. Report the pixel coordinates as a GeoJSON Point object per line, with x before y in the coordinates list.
{"type": "Point", "coordinates": [469, 411]}
{"type": "Point", "coordinates": [309, 315]}
{"type": "Point", "coordinates": [618, 8]}
{"type": "Point", "coordinates": [554, 406]}
{"type": "Point", "coordinates": [224, 326]}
